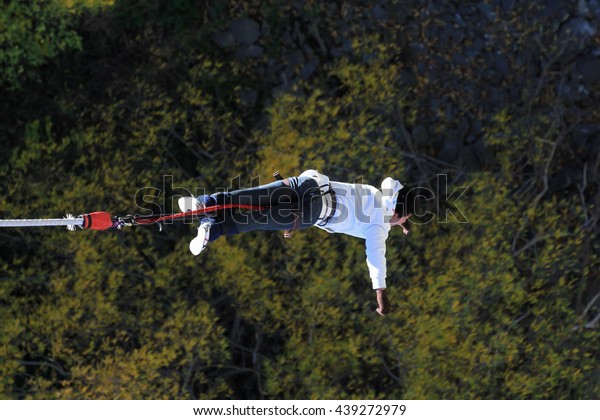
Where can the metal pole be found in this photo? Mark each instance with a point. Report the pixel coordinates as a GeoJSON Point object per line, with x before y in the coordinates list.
{"type": "Point", "coordinates": [71, 223]}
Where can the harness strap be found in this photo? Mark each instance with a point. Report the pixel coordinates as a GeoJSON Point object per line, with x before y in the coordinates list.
{"type": "Point", "coordinates": [328, 217]}
{"type": "Point", "coordinates": [288, 232]}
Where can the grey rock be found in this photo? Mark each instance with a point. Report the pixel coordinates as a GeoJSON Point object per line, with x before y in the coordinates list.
{"type": "Point", "coordinates": [588, 69]}
{"type": "Point", "coordinates": [287, 40]}
{"type": "Point", "coordinates": [571, 91]}
{"type": "Point", "coordinates": [297, 34]}
{"type": "Point", "coordinates": [450, 113]}
{"type": "Point", "coordinates": [475, 49]}
{"type": "Point", "coordinates": [249, 51]}
{"type": "Point", "coordinates": [589, 153]}
{"type": "Point", "coordinates": [417, 48]}
{"type": "Point", "coordinates": [574, 37]}
{"type": "Point", "coordinates": [412, 29]}
{"type": "Point", "coordinates": [346, 46]}
{"type": "Point", "coordinates": [459, 20]}
{"type": "Point", "coordinates": [466, 10]}
{"type": "Point", "coordinates": [471, 139]}
{"type": "Point", "coordinates": [224, 39]}
{"type": "Point", "coordinates": [245, 30]}
{"type": "Point", "coordinates": [261, 71]}
{"type": "Point", "coordinates": [594, 7]}
{"type": "Point", "coordinates": [583, 9]}
{"type": "Point", "coordinates": [462, 128]}
{"type": "Point", "coordinates": [272, 71]}
{"type": "Point", "coordinates": [286, 75]}
{"type": "Point", "coordinates": [407, 78]}
{"type": "Point", "coordinates": [477, 127]}
{"type": "Point", "coordinates": [323, 47]}
{"type": "Point", "coordinates": [265, 29]}
{"type": "Point", "coordinates": [502, 65]}
{"type": "Point", "coordinates": [247, 97]}
{"type": "Point", "coordinates": [487, 10]}
{"type": "Point", "coordinates": [497, 95]}
{"type": "Point", "coordinates": [286, 88]}
{"type": "Point", "coordinates": [459, 59]}
{"type": "Point", "coordinates": [309, 68]}
{"type": "Point", "coordinates": [343, 49]}
{"type": "Point", "coordinates": [380, 13]}
{"type": "Point", "coordinates": [308, 52]}
{"type": "Point", "coordinates": [587, 130]}
{"type": "Point", "coordinates": [419, 135]}
{"type": "Point", "coordinates": [496, 69]}
{"type": "Point", "coordinates": [369, 57]}
{"type": "Point", "coordinates": [434, 105]}
{"type": "Point", "coordinates": [585, 142]}
{"type": "Point", "coordinates": [484, 154]}
{"type": "Point", "coordinates": [507, 5]}
{"type": "Point", "coordinates": [469, 157]}
{"type": "Point", "coordinates": [562, 179]}
{"type": "Point", "coordinates": [401, 16]}
{"type": "Point", "coordinates": [335, 52]}
{"type": "Point", "coordinates": [457, 36]}
{"type": "Point", "coordinates": [450, 150]}
{"type": "Point", "coordinates": [578, 142]}
{"type": "Point", "coordinates": [558, 10]}
{"type": "Point", "coordinates": [294, 59]}
{"type": "Point", "coordinates": [579, 28]}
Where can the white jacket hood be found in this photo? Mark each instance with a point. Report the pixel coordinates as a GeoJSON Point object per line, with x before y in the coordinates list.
{"type": "Point", "coordinates": [390, 189]}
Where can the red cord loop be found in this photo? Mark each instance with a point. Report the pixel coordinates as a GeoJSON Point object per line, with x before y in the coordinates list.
{"type": "Point", "coordinates": [150, 220]}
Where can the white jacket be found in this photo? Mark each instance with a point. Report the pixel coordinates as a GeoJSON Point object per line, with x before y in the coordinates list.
{"type": "Point", "coordinates": [364, 211]}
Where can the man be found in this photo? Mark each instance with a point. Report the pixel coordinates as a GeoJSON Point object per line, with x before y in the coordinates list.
{"type": "Point", "coordinates": [308, 200]}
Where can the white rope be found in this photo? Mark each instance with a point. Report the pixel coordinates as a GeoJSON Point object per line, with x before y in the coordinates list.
{"type": "Point", "coordinates": [70, 222]}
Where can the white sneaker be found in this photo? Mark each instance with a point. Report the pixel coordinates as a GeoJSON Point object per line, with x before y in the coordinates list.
{"type": "Point", "coordinates": [189, 204]}
{"type": "Point", "coordinates": [198, 244]}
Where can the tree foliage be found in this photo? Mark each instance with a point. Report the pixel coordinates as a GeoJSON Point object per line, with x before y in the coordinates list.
{"type": "Point", "coordinates": [122, 106]}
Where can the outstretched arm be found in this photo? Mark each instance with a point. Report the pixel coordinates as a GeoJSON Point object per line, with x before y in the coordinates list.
{"type": "Point", "coordinates": [375, 249]}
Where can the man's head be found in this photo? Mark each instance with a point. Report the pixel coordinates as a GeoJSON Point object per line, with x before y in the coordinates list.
{"type": "Point", "coordinates": [405, 203]}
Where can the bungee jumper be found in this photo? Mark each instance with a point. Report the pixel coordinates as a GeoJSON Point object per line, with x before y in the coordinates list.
{"type": "Point", "coordinates": [290, 204]}
{"type": "Point", "coordinates": [311, 199]}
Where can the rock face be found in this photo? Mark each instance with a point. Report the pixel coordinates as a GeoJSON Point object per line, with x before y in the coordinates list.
{"type": "Point", "coordinates": [242, 36]}
{"type": "Point", "coordinates": [249, 51]}
{"type": "Point", "coordinates": [580, 28]}
{"type": "Point", "coordinates": [450, 150]}
{"type": "Point", "coordinates": [224, 39]}
{"type": "Point", "coordinates": [588, 69]}
{"type": "Point", "coordinates": [460, 63]}
{"type": "Point", "coordinates": [380, 13]}
{"type": "Point", "coordinates": [245, 31]}
{"type": "Point", "coordinates": [309, 68]}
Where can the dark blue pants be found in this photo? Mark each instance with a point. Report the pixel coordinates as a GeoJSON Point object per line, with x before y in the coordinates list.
{"type": "Point", "coordinates": [295, 207]}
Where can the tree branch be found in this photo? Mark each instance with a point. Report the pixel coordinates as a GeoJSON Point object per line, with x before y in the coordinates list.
{"type": "Point", "coordinates": [589, 305]}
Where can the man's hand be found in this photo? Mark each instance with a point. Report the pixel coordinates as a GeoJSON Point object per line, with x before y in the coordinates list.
{"type": "Point", "coordinates": [383, 302]}
{"type": "Point", "coordinates": [400, 221]}
{"type": "Point", "coordinates": [403, 220]}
